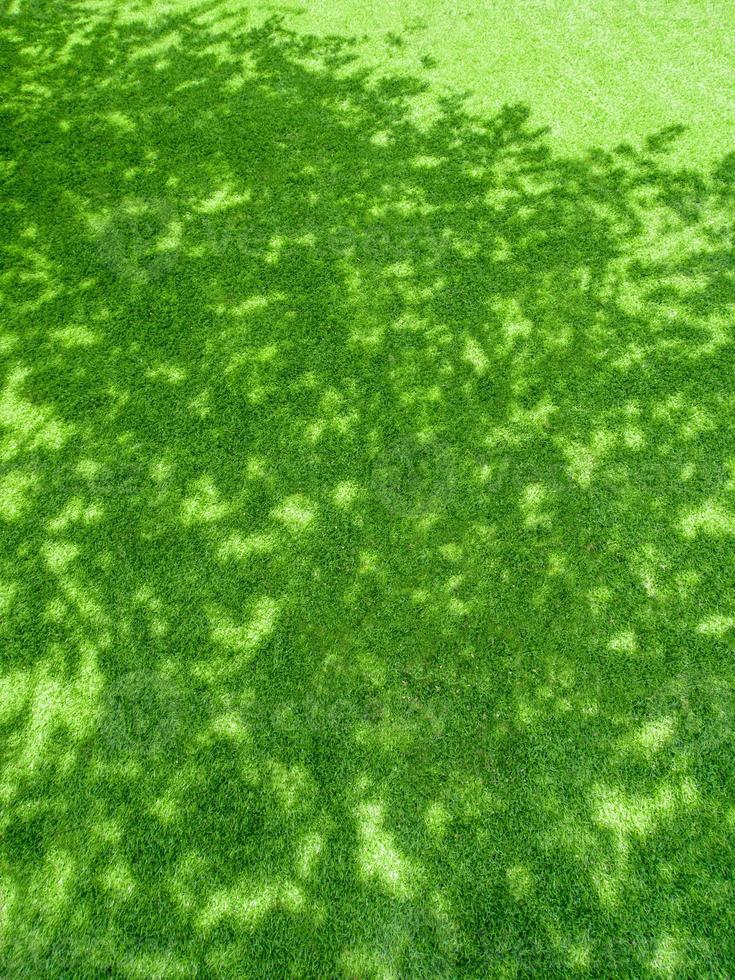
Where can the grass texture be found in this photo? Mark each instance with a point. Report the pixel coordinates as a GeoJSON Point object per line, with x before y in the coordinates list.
{"type": "Point", "coordinates": [594, 72]}
{"type": "Point", "coordinates": [367, 489]}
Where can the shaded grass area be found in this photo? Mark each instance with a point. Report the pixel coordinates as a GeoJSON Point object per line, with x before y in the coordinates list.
{"type": "Point", "coordinates": [368, 505]}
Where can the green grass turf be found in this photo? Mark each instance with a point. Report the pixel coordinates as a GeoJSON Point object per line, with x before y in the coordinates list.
{"type": "Point", "coordinates": [368, 500]}
{"type": "Point", "coordinates": [593, 71]}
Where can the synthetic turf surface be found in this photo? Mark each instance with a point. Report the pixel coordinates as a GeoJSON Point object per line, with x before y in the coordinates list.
{"type": "Point", "coordinates": [368, 500]}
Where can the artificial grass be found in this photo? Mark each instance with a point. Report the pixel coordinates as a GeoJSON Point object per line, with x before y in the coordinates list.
{"type": "Point", "coordinates": [594, 73]}
{"type": "Point", "coordinates": [368, 506]}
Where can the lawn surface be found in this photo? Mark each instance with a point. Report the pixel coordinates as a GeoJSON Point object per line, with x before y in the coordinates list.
{"type": "Point", "coordinates": [367, 488]}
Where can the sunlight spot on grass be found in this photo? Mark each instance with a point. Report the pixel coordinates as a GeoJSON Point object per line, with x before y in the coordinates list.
{"type": "Point", "coordinates": [315, 430]}
{"type": "Point", "coordinates": [76, 336]}
{"type": "Point", "coordinates": [716, 625]}
{"type": "Point", "coordinates": [579, 956]}
{"type": "Point", "coordinates": [532, 502]}
{"type": "Point", "coordinates": [451, 551]}
{"type": "Point", "coordinates": [624, 642]}
{"type": "Point", "coordinates": [429, 520]}
{"type": "Point", "coordinates": [345, 494]}
{"type": "Point", "coordinates": [652, 737]}
{"type": "Point", "coordinates": [166, 808]}
{"type": "Point", "coordinates": [633, 437]}
{"type": "Point", "coordinates": [266, 353]}
{"type": "Point", "coordinates": [378, 858]}
{"type": "Point", "coordinates": [651, 568]}
{"type": "Point", "coordinates": [161, 44]}
{"type": "Point", "coordinates": [27, 425]}
{"type": "Point", "coordinates": [7, 342]}
{"type": "Point", "coordinates": [368, 337]}
{"type": "Point", "coordinates": [527, 714]}
{"type": "Point", "coordinates": [146, 965]}
{"type": "Point", "coordinates": [522, 425]}
{"type": "Point", "coordinates": [153, 606]}
{"type": "Point", "coordinates": [59, 554]}
{"type": "Point", "coordinates": [291, 785]}
{"type": "Point", "coordinates": [167, 372]}
{"type": "Point", "coordinates": [517, 328]}
{"type": "Point", "coordinates": [171, 237]}
{"type": "Point", "coordinates": [223, 199]}
{"type": "Point", "coordinates": [8, 595]}
{"type": "Point", "coordinates": [425, 161]}
{"type": "Point", "coordinates": [608, 887]}
{"type": "Point", "coordinates": [520, 881]}
{"type": "Point", "coordinates": [15, 491]}
{"type": "Point", "coordinates": [641, 815]}
{"type": "Point", "coordinates": [46, 703]}
{"type": "Point", "coordinates": [201, 405]}
{"type": "Point", "coordinates": [15, 686]}
{"type": "Point", "coordinates": [366, 962]}
{"type": "Point", "coordinates": [276, 245]}
{"type": "Point", "coordinates": [245, 638]}
{"type": "Point", "coordinates": [583, 459]}
{"type": "Point", "coordinates": [236, 546]}
{"type": "Point", "coordinates": [237, 82]}
{"type": "Point", "coordinates": [473, 796]}
{"type": "Point", "coordinates": [296, 513]}
{"type": "Point", "coordinates": [669, 958]}
{"type": "Point", "coordinates": [373, 668]}
{"type": "Point", "coordinates": [474, 355]}
{"type": "Point", "coordinates": [719, 328]}
{"type": "Point", "coordinates": [118, 879]}
{"type": "Point", "coordinates": [184, 883]}
{"type": "Point", "coordinates": [87, 468]}
{"type": "Point", "coordinates": [56, 610]}
{"type": "Point", "coordinates": [686, 582]}
{"type": "Point", "coordinates": [247, 906]}
{"type": "Point", "coordinates": [229, 726]}
{"type": "Point", "coordinates": [252, 304]}
{"type": "Point", "coordinates": [204, 505]}
{"type": "Point", "coordinates": [118, 120]}
{"type": "Point", "coordinates": [75, 512]}
{"type": "Point", "coordinates": [382, 138]}
{"type": "Point", "coordinates": [292, 897]}
{"type": "Point", "coordinates": [436, 818]}
{"type": "Point", "coordinates": [368, 562]}
{"type": "Point", "coordinates": [161, 470]}
{"type": "Point", "coordinates": [56, 878]}
{"type": "Point", "coordinates": [458, 608]}
{"type": "Point", "coordinates": [558, 563]}
{"type": "Point", "coordinates": [711, 518]}
{"type": "Point", "coordinates": [81, 600]}
{"type": "Point", "coordinates": [404, 270]}
{"type": "Point", "coordinates": [309, 853]}
{"type": "Point", "coordinates": [696, 423]}
{"type": "Point", "coordinates": [255, 468]}
{"type": "Point", "coordinates": [515, 324]}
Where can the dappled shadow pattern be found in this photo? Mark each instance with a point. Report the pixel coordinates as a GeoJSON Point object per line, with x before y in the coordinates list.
{"type": "Point", "coordinates": [368, 501]}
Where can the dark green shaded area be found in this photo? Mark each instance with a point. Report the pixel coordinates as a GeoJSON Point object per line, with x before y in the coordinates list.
{"type": "Point", "coordinates": [368, 506]}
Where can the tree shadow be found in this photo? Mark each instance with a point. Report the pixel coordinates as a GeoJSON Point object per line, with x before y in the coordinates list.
{"type": "Point", "coordinates": [367, 497]}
